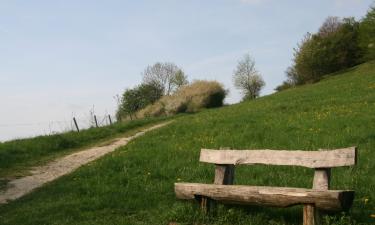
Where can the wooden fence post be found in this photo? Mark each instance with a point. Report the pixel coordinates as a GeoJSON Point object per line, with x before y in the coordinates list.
{"type": "Point", "coordinates": [110, 120]}
{"type": "Point", "coordinates": [75, 123]}
{"type": "Point", "coordinates": [96, 121]}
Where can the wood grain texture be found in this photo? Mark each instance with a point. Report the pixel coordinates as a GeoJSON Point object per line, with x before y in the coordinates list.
{"type": "Point", "coordinates": [322, 179]}
{"type": "Point", "coordinates": [266, 196]}
{"type": "Point", "coordinates": [311, 159]}
{"type": "Point", "coordinates": [224, 174]}
{"type": "Point", "coordinates": [309, 215]}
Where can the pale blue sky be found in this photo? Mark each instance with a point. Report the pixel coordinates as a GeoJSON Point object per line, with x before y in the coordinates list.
{"type": "Point", "coordinates": [58, 58]}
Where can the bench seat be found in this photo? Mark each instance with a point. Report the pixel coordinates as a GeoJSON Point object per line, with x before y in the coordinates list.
{"type": "Point", "coordinates": [330, 200]}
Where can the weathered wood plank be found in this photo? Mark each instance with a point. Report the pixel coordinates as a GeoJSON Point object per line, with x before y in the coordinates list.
{"type": "Point", "coordinates": [267, 196]}
{"type": "Point", "coordinates": [311, 159]}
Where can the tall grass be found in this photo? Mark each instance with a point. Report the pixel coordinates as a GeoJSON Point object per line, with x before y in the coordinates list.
{"type": "Point", "coordinates": [190, 98]}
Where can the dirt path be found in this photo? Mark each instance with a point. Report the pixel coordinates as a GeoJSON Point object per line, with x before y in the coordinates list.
{"type": "Point", "coordinates": [59, 167]}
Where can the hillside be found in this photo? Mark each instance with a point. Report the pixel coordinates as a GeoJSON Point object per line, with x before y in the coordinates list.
{"type": "Point", "coordinates": [17, 156]}
{"type": "Point", "coordinates": [134, 185]}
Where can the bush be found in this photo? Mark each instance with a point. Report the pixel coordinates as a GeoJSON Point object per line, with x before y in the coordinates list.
{"type": "Point", "coordinates": [138, 98]}
{"type": "Point", "coordinates": [190, 98]}
{"type": "Point", "coordinates": [285, 85]}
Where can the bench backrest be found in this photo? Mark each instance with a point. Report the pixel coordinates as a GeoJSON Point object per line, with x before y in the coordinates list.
{"type": "Point", "coordinates": [310, 159]}
{"type": "Point", "coordinates": [322, 161]}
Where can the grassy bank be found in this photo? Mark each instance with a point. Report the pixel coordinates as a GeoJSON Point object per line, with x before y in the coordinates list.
{"type": "Point", "coordinates": [18, 155]}
{"type": "Point", "coordinates": [134, 185]}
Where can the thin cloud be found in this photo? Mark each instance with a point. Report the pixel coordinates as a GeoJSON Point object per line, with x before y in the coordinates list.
{"type": "Point", "coordinates": [343, 3]}
{"type": "Point", "coordinates": [251, 1]}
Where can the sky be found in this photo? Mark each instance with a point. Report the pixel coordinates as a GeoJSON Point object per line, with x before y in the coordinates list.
{"type": "Point", "coordinates": [60, 59]}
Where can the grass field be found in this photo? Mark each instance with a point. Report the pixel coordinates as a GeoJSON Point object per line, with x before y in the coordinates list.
{"type": "Point", "coordinates": [17, 156]}
{"type": "Point", "coordinates": [134, 185]}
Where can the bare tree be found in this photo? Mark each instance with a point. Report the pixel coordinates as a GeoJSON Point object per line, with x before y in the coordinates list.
{"type": "Point", "coordinates": [247, 78]}
{"type": "Point", "coordinates": [167, 76]}
{"type": "Point", "coordinates": [330, 26]}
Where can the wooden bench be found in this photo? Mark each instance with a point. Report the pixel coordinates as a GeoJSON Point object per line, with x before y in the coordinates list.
{"type": "Point", "coordinates": [314, 200]}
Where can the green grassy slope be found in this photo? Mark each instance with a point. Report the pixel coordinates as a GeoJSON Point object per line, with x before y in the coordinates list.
{"type": "Point", "coordinates": [19, 155]}
{"type": "Point", "coordinates": [134, 185]}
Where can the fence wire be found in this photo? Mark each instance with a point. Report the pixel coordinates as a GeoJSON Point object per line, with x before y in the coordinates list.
{"type": "Point", "coordinates": [61, 126]}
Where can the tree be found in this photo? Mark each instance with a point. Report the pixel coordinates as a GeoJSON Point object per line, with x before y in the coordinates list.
{"type": "Point", "coordinates": [130, 104]}
{"type": "Point", "coordinates": [180, 79]}
{"type": "Point", "coordinates": [331, 25]}
{"type": "Point", "coordinates": [247, 78]}
{"type": "Point", "coordinates": [334, 47]}
{"type": "Point", "coordinates": [167, 76]}
{"type": "Point", "coordinates": [138, 98]}
{"type": "Point", "coordinates": [367, 35]}
{"type": "Point", "coordinates": [292, 78]}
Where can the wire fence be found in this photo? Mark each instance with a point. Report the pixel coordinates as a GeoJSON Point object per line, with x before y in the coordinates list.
{"type": "Point", "coordinates": [58, 126]}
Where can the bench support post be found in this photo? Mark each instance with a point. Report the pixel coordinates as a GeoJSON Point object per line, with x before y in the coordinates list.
{"type": "Point", "coordinates": [309, 215]}
{"type": "Point", "coordinates": [322, 178]}
{"type": "Point", "coordinates": [224, 174]}
{"type": "Point", "coordinates": [205, 204]}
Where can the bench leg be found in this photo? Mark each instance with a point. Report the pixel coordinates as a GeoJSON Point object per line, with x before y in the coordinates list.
{"type": "Point", "coordinates": [309, 215]}
{"type": "Point", "coordinates": [204, 205]}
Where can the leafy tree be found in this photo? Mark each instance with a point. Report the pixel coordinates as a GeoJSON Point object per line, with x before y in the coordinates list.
{"type": "Point", "coordinates": [138, 98]}
{"type": "Point", "coordinates": [149, 93]}
{"type": "Point", "coordinates": [180, 79]}
{"type": "Point", "coordinates": [334, 47]}
{"type": "Point", "coordinates": [292, 77]}
{"type": "Point", "coordinates": [167, 76]}
{"type": "Point", "coordinates": [367, 35]}
{"type": "Point", "coordinates": [247, 78]}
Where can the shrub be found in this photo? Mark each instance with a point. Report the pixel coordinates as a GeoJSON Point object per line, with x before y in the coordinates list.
{"type": "Point", "coordinates": [138, 98]}
{"type": "Point", "coordinates": [190, 98]}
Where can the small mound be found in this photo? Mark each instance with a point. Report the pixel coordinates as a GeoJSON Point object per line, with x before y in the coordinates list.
{"type": "Point", "coordinates": [190, 98]}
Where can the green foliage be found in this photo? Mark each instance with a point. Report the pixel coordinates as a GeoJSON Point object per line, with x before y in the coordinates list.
{"type": "Point", "coordinates": [336, 220]}
{"type": "Point", "coordinates": [138, 98]}
{"type": "Point", "coordinates": [22, 153]}
{"type": "Point", "coordinates": [367, 35]}
{"type": "Point", "coordinates": [320, 54]}
{"type": "Point", "coordinates": [338, 45]}
{"type": "Point", "coordinates": [285, 85]}
{"type": "Point", "coordinates": [134, 185]}
{"type": "Point", "coordinates": [179, 79]}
